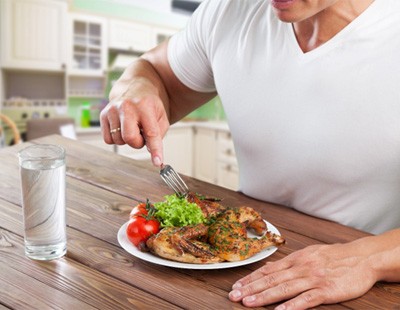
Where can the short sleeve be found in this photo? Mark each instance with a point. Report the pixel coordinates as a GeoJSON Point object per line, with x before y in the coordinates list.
{"type": "Point", "coordinates": [188, 50]}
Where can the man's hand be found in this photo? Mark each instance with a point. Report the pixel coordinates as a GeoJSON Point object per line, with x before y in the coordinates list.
{"type": "Point", "coordinates": [135, 116]}
{"type": "Point", "coordinates": [318, 274]}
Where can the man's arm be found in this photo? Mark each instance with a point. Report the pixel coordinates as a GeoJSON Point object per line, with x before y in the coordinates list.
{"type": "Point", "coordinates": [145, 100]}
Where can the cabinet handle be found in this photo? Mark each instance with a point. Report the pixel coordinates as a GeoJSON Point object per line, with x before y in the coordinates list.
{"type": "Point", "coordinates": [228, 168]}
{"type": "Point", "coordinates": [228, 152]}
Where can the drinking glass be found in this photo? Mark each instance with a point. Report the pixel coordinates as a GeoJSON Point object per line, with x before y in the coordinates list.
{"type": "Point", "coordinates": [42, 170]}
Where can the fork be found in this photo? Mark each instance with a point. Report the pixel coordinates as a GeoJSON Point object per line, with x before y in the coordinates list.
{"type": "Point", "coordinates": [173, 180]}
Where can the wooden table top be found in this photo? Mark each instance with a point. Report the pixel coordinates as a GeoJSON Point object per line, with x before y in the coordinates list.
{"type": "Point", "coordinates": [102, 188]}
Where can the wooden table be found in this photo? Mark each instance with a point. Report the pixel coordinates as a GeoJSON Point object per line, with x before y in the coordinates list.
{"type": "Point", "coordinates": [102, 188]}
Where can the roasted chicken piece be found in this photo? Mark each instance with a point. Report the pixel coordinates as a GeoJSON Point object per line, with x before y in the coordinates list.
{"type": "Point", "coordinates": [184, 244]}
{"type": "Point", "coordinates": [228, 234]}
{"type": "Point", "coordinates": [209, 206]}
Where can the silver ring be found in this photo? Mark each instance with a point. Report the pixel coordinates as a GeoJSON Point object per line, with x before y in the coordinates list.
{"type": "Point", "coordinates": [115, 130]}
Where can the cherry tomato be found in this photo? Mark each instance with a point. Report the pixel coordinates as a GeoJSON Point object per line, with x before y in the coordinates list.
{"type": "Point", "coordinates": [142, 224]}
{"type": "Point", "coordinates": [140, 228]}
{"type": "Point", "coordinates": [140, 209]}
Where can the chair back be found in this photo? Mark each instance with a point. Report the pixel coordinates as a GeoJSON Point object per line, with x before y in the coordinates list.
{"type": "Point", "coordinates": [14, 129]}
{"type": "Point", "coordinates": [40, 127]}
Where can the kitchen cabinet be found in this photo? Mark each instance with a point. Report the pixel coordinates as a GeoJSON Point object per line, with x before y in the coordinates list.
{"type": "Point", "coordinates": [88, 45]}
{"type": "Point", "coordinates": [88, 57]}
{"type": "Point", "coordinates": [33, 34]}
{"type": "Point", "coordinates": [129, 36]}
{"type": "Point", "coordinates": [204, 153]}
{"type": "Point", "coordinates": [214, 156]}
{"type": "Point", "coordinates": [227, 167]}
{"type": "Point", "coordinates": [178, 148]}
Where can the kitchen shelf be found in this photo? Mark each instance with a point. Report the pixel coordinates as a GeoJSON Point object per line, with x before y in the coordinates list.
{"type": "Point", "coordinates": [86, 86]}
{"type": "Point", "coordinates": [88, 44]}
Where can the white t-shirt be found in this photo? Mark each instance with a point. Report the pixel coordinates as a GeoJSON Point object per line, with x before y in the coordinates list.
{"type": "Point", "coordinates": [316, 131]}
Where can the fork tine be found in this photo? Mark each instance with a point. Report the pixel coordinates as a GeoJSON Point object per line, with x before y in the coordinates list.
{"type": "Point", "coordinates": [170, 183]}
{"type": "Point", "coordinates": [175, 176]}
{"type": "Point", "coordinates": [173, 180]}
{"type": "Point", "coordinates": [176, 181]}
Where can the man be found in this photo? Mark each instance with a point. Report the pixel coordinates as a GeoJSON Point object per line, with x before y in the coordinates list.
{"type": "Point", "coordinates": [309, 88]}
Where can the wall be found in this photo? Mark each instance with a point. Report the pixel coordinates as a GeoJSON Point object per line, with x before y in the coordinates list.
{"type": "Point", "coordinates": [212, 110]}
{"type": "Point", "coordinates": [129, 12]}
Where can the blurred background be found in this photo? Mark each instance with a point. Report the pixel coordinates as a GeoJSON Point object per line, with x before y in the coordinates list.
{"type": "Point", "coordinates": [60, 58]}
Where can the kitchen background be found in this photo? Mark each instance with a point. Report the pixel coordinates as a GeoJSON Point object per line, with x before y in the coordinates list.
{"type": "Point", "coordinates": [60, 58]}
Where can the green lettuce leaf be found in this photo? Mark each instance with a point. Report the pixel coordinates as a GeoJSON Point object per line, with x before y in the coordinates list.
{"type": "Point", "coordinates": [177, 212]}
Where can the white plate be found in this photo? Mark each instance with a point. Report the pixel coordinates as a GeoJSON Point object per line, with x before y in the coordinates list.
{"type": "Point", "coordinates": [147, 256]}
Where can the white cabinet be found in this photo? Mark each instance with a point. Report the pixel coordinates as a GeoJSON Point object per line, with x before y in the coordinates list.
{"type": "Point", "coordinates": [227, 167]}
{"type": "Point", "coordinates": [228, 175]}
{"type": "Point", "coordinates": [33, 34]}
{"type": "Point", "coordinates": [178, 149]}
{"type": "Point", "coordinates": [205, 148]}
{"type": "Point", "coordinates": [88, 46]}
{"type": "Point", "coordinates": [129, 36]}
{"type": "Point", "coordinates": [214, 157]}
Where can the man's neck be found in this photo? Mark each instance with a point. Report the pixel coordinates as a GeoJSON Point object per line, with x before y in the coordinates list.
{"type": "Point", "coordinates": [320, 28]}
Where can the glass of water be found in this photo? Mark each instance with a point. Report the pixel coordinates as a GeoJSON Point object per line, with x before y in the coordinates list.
{"type": "Point", "coordinates": [42, 169]}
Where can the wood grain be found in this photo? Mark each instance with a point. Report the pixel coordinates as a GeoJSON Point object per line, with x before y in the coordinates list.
{"type": "Point", "coordinates": [66, 275]}
{"type": "Point", "coordinates": [21, 292]}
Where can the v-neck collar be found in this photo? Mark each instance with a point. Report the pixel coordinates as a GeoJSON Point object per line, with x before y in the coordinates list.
{"type": "Point", "coordinates": [337, 39]}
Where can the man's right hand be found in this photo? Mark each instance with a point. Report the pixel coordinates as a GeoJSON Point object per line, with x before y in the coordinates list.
{"type": "Point", "coordinates": [145, 100]}
{"type": "Point", "coordinates": [137, 110]}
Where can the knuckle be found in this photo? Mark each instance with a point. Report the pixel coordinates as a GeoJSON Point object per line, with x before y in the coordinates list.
{"type": "Point", "coordinates": [308, 297]}
{"type": "Point", "coordinates": [266, 268]}
{"type": "Point", "coordinates": [112, 109]}
{"type": "Point", "coordinates": [136, 142]}
{"type": "Point", "coordinates": [320, 272]}
{"type": "Point", "coordinates": [151, 132]}
{"type": "Point", "coordinates": [304, 301]}
{"type": "Point", "coordinates": [269, 281]}
{"type": "Point", "coordinates": [313, 297]}
{"type": "Point", "coordinates": [248, 289]}
{"type": "Point", "coordinates": [285, 288]}
{"type": "Point", "coordinates": [127, 106]}
{"type": "Point", "coordinates": [103, 114]}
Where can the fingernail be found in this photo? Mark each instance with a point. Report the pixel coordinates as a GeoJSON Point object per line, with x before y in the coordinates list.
{"type": "Point", "coordinates": [235, 294]}
{"type": "Point", "coordinates": [280, 307]}
{"type": "Point", "coordinates": [249, 299]}
{"type": "Point", "coordinates": [237, 285]}
{"type": "Point", "coordinates": [157, 161]}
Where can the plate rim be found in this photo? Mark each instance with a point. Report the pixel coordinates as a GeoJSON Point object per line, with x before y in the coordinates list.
{"type": "Point", "coordinates": [150, 257]}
